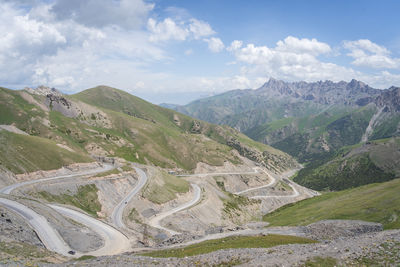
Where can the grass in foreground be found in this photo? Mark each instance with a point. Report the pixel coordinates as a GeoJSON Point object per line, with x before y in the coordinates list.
{"type": "Point", "coordinates": [230, 242]}
{"type": "Point", "coordinates": [321, 262]}
{"type": "Point", "coordinates": [375, 203]}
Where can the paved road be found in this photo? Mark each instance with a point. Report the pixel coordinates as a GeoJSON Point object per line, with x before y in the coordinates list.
{"type": "Point", "coordinates": [8, 189]}
{"type": "Point", "coordinates": [116, 216]}
{"type": "Point", "coordinates": [49, 237]}
{"type": "Point", "coordinates": [155, 221]}
{"type": "Point", "coordinates": [295, 194]}
{"type": "Point", "coordinates": [114, 241]}
{"type": "Point", "coordinates": [217, 173]}
{"type": "Point", "coordinates": [259, 187]}
{"type": "Point", "coordinates": [47, 234]}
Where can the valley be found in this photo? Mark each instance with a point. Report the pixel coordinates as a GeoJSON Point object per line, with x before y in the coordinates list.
{"type": "Point", "coordinates": [199, 133]}
{"type": "Point", "coordinates": [102, 173]}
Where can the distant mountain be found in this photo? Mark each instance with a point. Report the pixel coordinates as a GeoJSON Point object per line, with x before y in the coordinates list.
{"type": "Point", "coordinates": [313, 122]}
{"type": "Point", "coordinates": [304, 119]}
{"type": "Point", "coordinates": [246, 109]}
{"type": "Point", "coordinates": [168, 105]}
{"type": "Point", "coordinates": [371, 162]}
{"type": "Point", "coordinates": [105, 121]}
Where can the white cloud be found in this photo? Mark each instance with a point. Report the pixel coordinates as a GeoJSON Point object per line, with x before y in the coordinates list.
{"type": "Point", "coordinates": [166, 30]}
{"type": "Point", "coordinates": [383, 79]}
{"type": "Point", "coordinates": [200, 29]}
{"type": "Point", "coordinates": [368, 54]}
{"type": "Point", "coordinates": [291, 59]}
{"type": "Point", "coordinates": [37, 49]}
{"type": "Point", "coordinates": [41, 43]}
{"type": "Point", "coordinates": [129, 14]}
{"type": "Point", "coordinates": [215, 44]}
{"type": "Point", "coordinates": [235, 45]}
{"type": "Point", "coordinates": [302, 46]}
{"type": "Point", "coordinates": [169, 29]}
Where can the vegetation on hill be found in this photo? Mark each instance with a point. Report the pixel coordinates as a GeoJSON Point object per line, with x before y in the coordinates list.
{"type": "Point", "coordinates": [374, 202]}
{"type": "Point", "coordinates": [109, 122]}
{"type": "Point", "coordinates": [309, 138]}
{"type": "Point", "coordinates": [24, 153]}
{"type": "Point", "coordinates": [163, 187]}
{"type": "Point", "coordinates": [353, 166]}
{"type": "Point", "coordinates": [179, 128]}
{"type": "Point", "coordinates": [85, 198]}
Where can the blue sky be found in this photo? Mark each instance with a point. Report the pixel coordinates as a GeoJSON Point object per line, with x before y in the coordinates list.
{"type": "Point", "coordinates": [175, 51]}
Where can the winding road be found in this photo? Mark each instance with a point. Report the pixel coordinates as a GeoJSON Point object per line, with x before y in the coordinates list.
{"type": "Point", "coordinates": [155, 221]}
{"type": "Point", "coordinates": [273, 180]}
{"type": "Point", "coordinates": [49, 237]}
{"type": "Point", "coordinates": [295, 194]}
{"type": "Point", "coordinates": [116, 216]}
{"type": "Point", "coordinates": [114, 241]}
{"type": "Point", "coordinates": [216, 173]}
{"type": "Point", "coordinates": [8, 189]}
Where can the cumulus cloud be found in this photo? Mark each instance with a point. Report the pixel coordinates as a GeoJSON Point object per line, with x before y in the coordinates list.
{"type": "Point", "coordinates": [78, 44]}
{"type": "Point", "coordinates": [36, 48]}
{"type": "Point", "coordinates": [368, 54]}
{"type": "Point", "coordinates": [235, 45]}
{"type": "Point", "coordinates": [130, 14]}
{"type": "Point", "coordinates": [215, 44]}
{"type": "Point", "coordinates": [200, 29]}
{"type": "Point", "coordinates": [179, 30]}
{"type": "Point", "coordinates": [166, 30]}
{"type": "Point", "coordinates": [303, 46]}
{"type": "Point", "coordinates": [290, 59]}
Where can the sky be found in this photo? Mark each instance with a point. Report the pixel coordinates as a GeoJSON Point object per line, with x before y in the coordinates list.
{"type": "Point", "coordinates": [177, 51]}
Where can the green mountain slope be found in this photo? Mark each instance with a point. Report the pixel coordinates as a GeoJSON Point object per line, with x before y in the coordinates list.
{"type": "Point", "coordinates": [376, 161]}
{"type": "Point", "coordinates": [275, 100]}
{"type": "Point", "coordinates": [310, 137]}
{"type": "Point", "coordinates": [23, 153]}
{"type": "Point", "coordinates": [373, 202]}
{"type": "Point", "coordinates": [104, 121]}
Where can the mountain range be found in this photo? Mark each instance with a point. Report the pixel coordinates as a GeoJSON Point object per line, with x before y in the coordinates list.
{"type": "Point", "coordinates": [108, 122]}
{"type": "Point", "coordinates": [310, 121]}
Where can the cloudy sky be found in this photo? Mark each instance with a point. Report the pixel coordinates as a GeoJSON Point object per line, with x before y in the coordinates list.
{"type": "Point", "coordinates": [174, 51]}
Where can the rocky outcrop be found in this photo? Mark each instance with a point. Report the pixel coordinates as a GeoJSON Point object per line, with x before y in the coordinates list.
{"type": "Point", "coordinates": [389, 99]}
{"type": "Point", "coordinates": [63, 105]}
{"type": "Point", "coordinates": [196, 127]}
{"type": "Point", "coordinates": [43, 90]}
{"type": "Point", "coordinates": [326, 93]}
{"type": "Point", "coordinates": [14, 228]}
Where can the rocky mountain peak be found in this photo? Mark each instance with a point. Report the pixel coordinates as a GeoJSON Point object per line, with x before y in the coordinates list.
{"type": "Point", "coordinates": [323, 92]}
{"type": "Point", "coordinates": [390, 99]}
{"type": "Point", "coordinates": [43, 90]}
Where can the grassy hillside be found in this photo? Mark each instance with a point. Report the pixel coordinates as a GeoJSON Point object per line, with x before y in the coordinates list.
{"type": "Point", "coordinates": [176, 136]}
{"type": "Point", "coordinates": [24, 153]}
{"type": "Point", "coordinates": [374, 202]}
{"type": "Point", "coordinates": [309, 138]}
{"type": "Point", "coordinates": [208, 246]}
{"type": "Point", "coordinates": [110, 122]}
{"type": "Point", "coordinates": [85, 198]}
{"type": "Point", "coordinates": [353, 166]}
{"type": "Point", "coordinates": [245, 109]}
{"type": "Point", "coordinates": [163, 187]}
